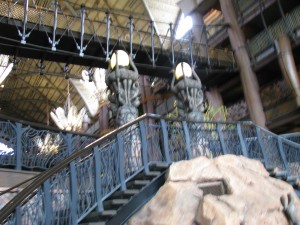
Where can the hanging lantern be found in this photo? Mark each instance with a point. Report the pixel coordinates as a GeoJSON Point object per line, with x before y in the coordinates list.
{"type": "Point", "coordinates": [68, 118]}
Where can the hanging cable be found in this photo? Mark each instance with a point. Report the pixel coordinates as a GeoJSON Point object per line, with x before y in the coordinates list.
{"type": "Point", "coordinates": [68, 101]}
{"type": "Point", "coordinates": [66, 70]}
{"type": "Point", "coordinates": [41, 66]}
{"type": "Point", "coordinates": [90, 74]}
{"type": "Point", "coordinates": [262, 8]}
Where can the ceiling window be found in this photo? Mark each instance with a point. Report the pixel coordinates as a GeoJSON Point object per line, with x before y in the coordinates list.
{"type": "Point", "coordinates": [5, 67]}
{"type": "Point", "coordinates": [184, 25]}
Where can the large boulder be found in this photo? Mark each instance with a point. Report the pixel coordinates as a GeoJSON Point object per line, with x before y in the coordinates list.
{"type": "Point", "coordinates": [251, 195]}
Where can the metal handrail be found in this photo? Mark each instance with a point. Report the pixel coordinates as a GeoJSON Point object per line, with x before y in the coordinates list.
{"type": "Point", "coordinates": [178, 140]}
{"type": "Point", "coordinates": [10, 207]}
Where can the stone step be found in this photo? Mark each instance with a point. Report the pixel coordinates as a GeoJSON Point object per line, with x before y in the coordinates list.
{"type": "Point", "coordinates": [93, 223]}
{"type": "Point", "coordinates": [114, 203]}
{"type": "Point", "coordinates": [99, 216]}
{"type": "Point", "coordinates": [159, 166]}
{"type": "Point", "coordinates": [128, 193]}
{"type": "Point", "coordinates": [137, 184]}
{"type": "Point", "coordinates": [149, 175]}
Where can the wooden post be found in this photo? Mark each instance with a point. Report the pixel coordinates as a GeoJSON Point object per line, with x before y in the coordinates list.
{"type": "Point", "coordinates": [216, 102]}
{"type": "Point", "coordinates": [248, 77]}
{"type": "Point", "coordinates": [287, 64]}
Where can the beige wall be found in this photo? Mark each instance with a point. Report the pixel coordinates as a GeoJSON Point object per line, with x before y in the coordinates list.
{"type": "Point", "coordinates": [10, 177]}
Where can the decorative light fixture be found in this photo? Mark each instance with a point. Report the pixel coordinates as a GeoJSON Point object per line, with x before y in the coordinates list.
{"type": "Point", "coordinates": [187, 88]}
{"type": "Point", "coordinates": [93, 93]}
{"type": "Point", "coordinates": [49, 145]}
{"type": "Point", "coordinates": [122, 81]}
{"type": "Point", "coordinates": [5, 67]}
{"type": "Point", "coordinates": [122, 58]}
{"type": "Point", "coordinates": [68, 118]}
{"type": "Point", "coordinates": [183, 69]}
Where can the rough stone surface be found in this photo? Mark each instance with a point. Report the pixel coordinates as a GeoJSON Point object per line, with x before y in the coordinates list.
{"type": "Point", "coordinates": [252, 197]}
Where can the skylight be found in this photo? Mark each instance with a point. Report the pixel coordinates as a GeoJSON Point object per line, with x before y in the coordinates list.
{"type": "Point", "coordinates": [5, 67]}
{"type": "Point", "coordinates": [185, 24]}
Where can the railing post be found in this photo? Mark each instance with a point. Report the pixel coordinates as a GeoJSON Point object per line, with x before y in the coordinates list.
{"type": "Point", "coordinates": [121, 161]}
{"type": "Point", "coordinates": [47, 203]}
{"type": "Point", "coordinates": [73, 181]}
{"type": "Point", "coordinates": [261, 144]}
{"type": "Point", "coordinates": [81, 48]}
{"type": "Point", "coordinates": [144, 146]}
{"type": "Point", "coordinates": [18, 216]}
{"type": "Point", "coordinates": [285, 162]}
{"type": "Point", "coordinates": [19, 146]}
{"type": "Point", "coordinates": [107, 36]}
{"type": "Point", "coordinates": [23, 34]}
{"type": "Point", "coordinates": [130, 36]}
{"type": "Point", "coordinates": [221, 137]}
{"type": "Point", "coordinates": [53, 41]}
{"type": "Point", "coordinates": [69, 142]}
{"type": "Point", "coordinates": [244, 148]}
{"type": "Point", "coordinates": [165, 152]}
{"type": "Point", "coordinates": [152, 43]}
{"type": "Point", "coordinates": [172, 43]}
{"type": "Point", "coordinates": [187, 139]}
{"type": "Point", "coordinates": [98, 183]}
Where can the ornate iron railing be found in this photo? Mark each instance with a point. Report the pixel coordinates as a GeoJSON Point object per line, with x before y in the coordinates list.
{"type": "Point", "coordinates": [23, 145]}
{"type": "Point", "coordinates": [69, 191]}
{"type": "Point", "coordinates": [295, 137]}
{"type": "Point", "coordinates": [113, 30]}
{"type": "Point", "coordinates": [266, 38]}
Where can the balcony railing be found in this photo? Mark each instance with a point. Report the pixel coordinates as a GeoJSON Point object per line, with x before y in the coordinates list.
{"type": "Point", "coordinates": [23, 146]}
{"type": "Point", "coordinates": [106, 35]}
{"type": "Point", "coordinates": [266, 39]}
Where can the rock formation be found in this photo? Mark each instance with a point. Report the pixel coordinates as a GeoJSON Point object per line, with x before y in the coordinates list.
{"type": "Point", "coordinates": [251, 195]}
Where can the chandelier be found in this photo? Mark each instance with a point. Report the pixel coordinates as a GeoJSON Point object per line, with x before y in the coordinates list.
{"type": "Point", "coordinates": [68, 118]}
{"type": "Point", "coordinates": [92, 89]}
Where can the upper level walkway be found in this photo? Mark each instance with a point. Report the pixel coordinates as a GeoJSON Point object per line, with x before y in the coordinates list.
{"type": "Point", "coordinates": [154, 53]}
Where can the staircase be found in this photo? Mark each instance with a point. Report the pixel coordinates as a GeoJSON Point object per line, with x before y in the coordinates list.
{"type": "Point", "coordinates": [113, 177]}
{"type": "Point", "coordinates": [124, 203]}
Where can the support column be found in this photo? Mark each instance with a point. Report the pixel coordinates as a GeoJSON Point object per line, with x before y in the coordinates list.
{"type": "Point", "coordinates": [147, 96]}
{"type": "Point", "coordinates": [216, 102]}
{"type": "Point", "coordinates": [103, 119]}
{"type": "Point", "coordinates": [214, 97]}
{"type": "Point", "coordinates": [287, 64]}
{"type": "Point", "coordinates": [248, 77]}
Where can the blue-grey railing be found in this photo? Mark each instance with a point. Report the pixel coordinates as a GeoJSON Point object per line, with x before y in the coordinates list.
{"type": "Point", "coordinates": [69, 191]}
{"type": "Point", "coordinates": [24, 146]}
{"type": "Point", "coordinates": [295, 137]}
